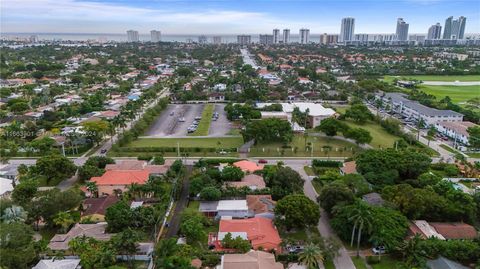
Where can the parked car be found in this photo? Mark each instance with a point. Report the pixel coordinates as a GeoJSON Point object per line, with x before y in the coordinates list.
{"type": "Point", "coordinates": [198, 118]}
{"type": "Point", "coordinates": [378, 250]}
{"type": "Point", "coordinates": [295, 249]}
{"type": "Point", "coordinates": [103, 151]}
{"type": "Point", "coordinates": [182, 119]}
{"type": "Point", "coordinates": [262, 161]}
{"type": "Point", "coordinates": [171, 113]}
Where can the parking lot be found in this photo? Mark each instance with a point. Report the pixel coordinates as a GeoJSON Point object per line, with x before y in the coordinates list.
{"type": "Point", "coordinates": [176, 119]}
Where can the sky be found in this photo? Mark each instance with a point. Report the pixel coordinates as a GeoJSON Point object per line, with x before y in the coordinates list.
{"type": "Point", "coordinates": [229, 16]}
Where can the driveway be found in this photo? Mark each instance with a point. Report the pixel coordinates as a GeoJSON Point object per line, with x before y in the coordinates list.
{"type": "Point", "coordinates": [343, 259]}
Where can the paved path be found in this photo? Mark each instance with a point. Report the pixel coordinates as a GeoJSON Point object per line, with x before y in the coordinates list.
{"type": "Point", "coordinates": [343, 260]}
{"type": "Point", "coordinates": [174, 225]}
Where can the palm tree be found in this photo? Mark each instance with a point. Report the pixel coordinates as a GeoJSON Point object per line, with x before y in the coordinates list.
{"type": "Point", "coordinates": [412, 252]}
{"type": "Point", "coordinates": [63, 219]}
{"type": "Point", "coordinates": [311, 256]}
{"type": "Point", "coordinates": [14, 214]}
{"type": "Point", "coordinates": [92, 188]}
{"type": "Point", "coordinates": [361, 216]}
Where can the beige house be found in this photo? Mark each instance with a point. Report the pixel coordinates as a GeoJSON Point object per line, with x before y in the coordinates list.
{"type": "Point", "coordinates": [251, 260]}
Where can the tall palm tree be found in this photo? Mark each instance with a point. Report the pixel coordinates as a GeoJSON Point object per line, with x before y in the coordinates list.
{"type": "Point", "coordinates": [361, 216]}
{"type": "Point", "coordinates": [311, 256]}
{"type": "Point", "coordinates": [14, 214]}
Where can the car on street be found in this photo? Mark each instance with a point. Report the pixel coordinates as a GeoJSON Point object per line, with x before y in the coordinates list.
{"type": "Point", "coordinates": [182, 119]}
{"type": "Point", "coordinates": [262, 161]}
{"type": "Point", "coordinates": [172, 113]}
{"type": "Point", "coordinates": [103, 151]}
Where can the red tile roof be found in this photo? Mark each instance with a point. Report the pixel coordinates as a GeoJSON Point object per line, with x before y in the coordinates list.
{"type": "Point", "coordinates": [122, 177]}
{"type": "Point", "coordinates": [248, 166]}
{"type": "Point", "coordinates": [260, 231]}
{"type": "Point", "coordinates": [452, 230]}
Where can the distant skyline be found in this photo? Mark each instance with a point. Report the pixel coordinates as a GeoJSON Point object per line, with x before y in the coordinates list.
{"type": "Point", "coordinates": [229, 16]}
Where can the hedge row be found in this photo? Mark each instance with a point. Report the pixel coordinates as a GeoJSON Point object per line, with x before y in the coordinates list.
{"type": "Point", "coordinates": [326, 163]}
{"type": "Point", "coordinates": [171, 149]}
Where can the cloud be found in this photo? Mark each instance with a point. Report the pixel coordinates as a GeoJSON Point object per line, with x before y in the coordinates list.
{"type": "Point", "coordinates": [70, 15]}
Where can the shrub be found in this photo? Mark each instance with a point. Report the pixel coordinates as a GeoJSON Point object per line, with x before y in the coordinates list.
{"type": "Point", "coordinates": [326, 163]}
{"type": "Point", "coordinates": [145, 157]}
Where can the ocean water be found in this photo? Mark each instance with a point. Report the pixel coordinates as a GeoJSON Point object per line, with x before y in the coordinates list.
{"type": "Point", "coordinates": [142, 37]}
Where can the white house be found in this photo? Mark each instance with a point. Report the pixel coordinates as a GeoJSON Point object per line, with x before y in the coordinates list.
{"type": "Point", "coordinates": [225, 208]}
{"type": "Point", "coordinates": [316, 112]}
{"type": "Point", "coordinates": [414, 110]}
{"type": "Point", "coordinates": [455, 130]}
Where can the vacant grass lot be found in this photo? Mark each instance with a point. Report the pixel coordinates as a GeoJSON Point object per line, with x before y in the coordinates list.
{"type": "Point", "coordinates": [435, 78]}
{"type": "Point", "coordinates": [381, 138]}
{"type": "Point", "coordinates": [458, 94]}
{"type": "Point", "coordinates": [322, 147]}
{"type": "Point", "coordinates": [203, 142]}
{"type": "Point", "coordinates": [204, 124]}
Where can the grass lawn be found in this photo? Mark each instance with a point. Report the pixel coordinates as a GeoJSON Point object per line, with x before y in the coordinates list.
{"type": "Point", "coordinates": [309, 170]}
{"type": "Point", "coordinates": [387, 263]}
{"type": "Point", "coordinates": [303, 235]}
{"type": "Point", "coordinates": [436, 78]}
{"type": "Point", "coordinates": [204, 142]}
{"type": "Point", "coordinates": [317, 186]}
{"type": "Point", "coordinates": [449, 149]}
{"type": "Point", "coordinates": [458, 94]}
{"type": "Point", "coordinates": [204, 124]}
{"type": "Point", "coordinates": [359, 263]}
{"type": "Point", "coordinates": [381, 138]}
{"type": "Point", "coordinates": [474, 154]}
{"type": "Point", "coordinates": [322, 147]}
{"type": "Point", "coordinates": [329, 264]}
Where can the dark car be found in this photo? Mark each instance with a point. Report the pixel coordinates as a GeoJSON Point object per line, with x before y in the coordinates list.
{"type": "Point", "coordinates": [262, 161]}
{"type": "Point", "coordinates": [103, 151]}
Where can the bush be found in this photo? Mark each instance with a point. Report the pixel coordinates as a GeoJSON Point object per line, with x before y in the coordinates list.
{"type": "Point", "coordinates": [145, 157]}
{"type": "Point", "coordinates": [159, 160]}
{"type": "Point", "coordinates": [326, 163]}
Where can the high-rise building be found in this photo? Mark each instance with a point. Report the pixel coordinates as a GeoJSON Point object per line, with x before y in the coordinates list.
{"type": "Point", "coordinates": [266, 39]}
{"type": "Point", "coordinates": [276, 36]}
{"type": "Point", "coordinates": [402, 30]}
{"type": "Point", "coordinates": [155, 36]}
{"type": "Point", "coordinates": [304, 35]}
{"type": "Point", "coordinates": [327, 39]}
{"type": "Point", "coordinates": [454, 29]}
{"type": "Point", "coordinates": [458, 28]}
{"type": "Point", "coordinates": [347, 30]}
{"type": "Point", "coordinates": [361, 37]}
{"type": "Point", "coordinates": [217, 40]}
{"type": "Point", "coordinates": [435, 31]}
{"type": "Point", "coordinates": [132, 36]}
{"type": "Point", "coordinates": [244, 39]}
{"type": "Point", "coordinates": [286, 36]}
{"type": "Point", "coordinates": [447, 30]}
{"type": "Point", "coordinates": [202, 39]}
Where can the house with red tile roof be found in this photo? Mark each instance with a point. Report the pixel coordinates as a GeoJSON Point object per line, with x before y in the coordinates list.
{"type": "Point", "coordinates": [442, 230]}
{"type": "Point", "coordinates": [248, 166]}
{"type": "Point", "coordinates": [252, 181]}
{"type": "Point", "coordinates": [113, 180]}
{"type": "Point", "coordinates": [261, 233]}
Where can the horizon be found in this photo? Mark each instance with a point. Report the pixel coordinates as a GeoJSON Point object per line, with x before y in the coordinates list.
{"type": "Point", "coordinates": [226, 17]}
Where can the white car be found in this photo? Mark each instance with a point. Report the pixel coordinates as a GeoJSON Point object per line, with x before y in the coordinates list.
{"type": "Point", "coordinates": [378, 250]}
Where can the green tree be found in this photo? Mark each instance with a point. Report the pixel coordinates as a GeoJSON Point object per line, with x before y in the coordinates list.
{"type": "Point", "coordinates": [359, 113]}
{"type": "Point", "coordinates": [232, 173]}
{"type": "Point", "coordinates": [412, 252]}
{"type": "Point", "coordinates": [287, 211]}
{"type": "Point", "coordinates": [54, 168]}
{"type": "Point", "coordinates": [361, 136]}
{"type": "Point", "coordinates": [237, 243]}
{"type": "Point", "coordinates": [283, 181]}
{"type": "Point", "coordinates": [126, 243]}
{"type": "Point", "coordinates": [474, 136]}
{"type": "Point", "coordinates": [333, 194]}
{"type": "Point", "coordinates": [95, 130]}
{"type": "Point", "coordinates": [311, 256]}
{"type": "Point", "coordinates": [24, 192]}
{"type": "Point", "coordinates": [17, 247]}
{"type": "Point", "coordinates": [431, 134]}
{"type": "Point", "coordinates": [331, 126]}
{"type": "Point", "coordinates": [361, 217]}
{"type": "Point", "coordinates": [268, 130]}
{"type": "Point", "coordinates": [192, 226]}
{"type": "Point", "coordinates": [63, 219]}
{"type": "Point", "coordinates": [118, 216]}
{"type": "Point", "coordinates": [86, 172]}
{"type": "Point", "coordinates": [210, 193]}
{"type": "Point", "coordinates": [14, 214]}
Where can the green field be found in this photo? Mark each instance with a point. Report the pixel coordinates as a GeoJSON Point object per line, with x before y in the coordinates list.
{"type": "Point", "coordinates": [359, 263]}
{"type": "Point", "coordinates": [204, 124]}
{"type": "Point", "coordinates": [208, 142]}
{"type": "Point", "coordinates": [381, 138]}
{"type": "Point", "coordinates": [458, 94]}
{"type": "Point", "coordinates": [337, 148]}
{"type": "Point", "coordinates": [434, 78]}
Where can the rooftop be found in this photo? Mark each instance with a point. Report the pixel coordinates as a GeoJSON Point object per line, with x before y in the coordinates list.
{"type": "Point", "coordinates": [122, 177]}
{"type": "Point", "coordinates": [251, 180]}
{"type": "Point", "coordinates": [251, 260]}
{"type": "Point", "coordinates": [248, 166]}
{"type": "Point", "coordinates": [314, 109]}
{"type": "Point", "coordinates": [424, 110]}
{"type": "Point", "coordinates": [260, 203]}
{"type": "Point", "coordinates": [232, 205]}
{"type": "Point", "coordinates": [98, 205]}
{"type": "Point", "coordinates": [58, 264]}
{"type": "Point", "coordinates": [97, 231]}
